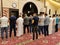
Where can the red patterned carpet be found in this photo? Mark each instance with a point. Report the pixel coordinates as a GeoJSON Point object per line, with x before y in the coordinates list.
{"type": "Point", "coordinates": [53, 39]}
{"type": "Point", "coordinates": [16, 40]}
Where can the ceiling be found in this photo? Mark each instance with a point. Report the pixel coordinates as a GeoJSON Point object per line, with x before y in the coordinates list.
{"type": "Point", "coordinates": [58, 1]}
{"type": "Point", "coordinates": [55, 2]}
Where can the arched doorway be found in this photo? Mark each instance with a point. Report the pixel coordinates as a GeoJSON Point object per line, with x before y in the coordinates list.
{"type": "Point", "coordinates": [30, 8]}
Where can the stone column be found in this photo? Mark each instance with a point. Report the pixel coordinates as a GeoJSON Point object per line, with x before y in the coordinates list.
{"type": "Point", "coordinates": [1, 7]}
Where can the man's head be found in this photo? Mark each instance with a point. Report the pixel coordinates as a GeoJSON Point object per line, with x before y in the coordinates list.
{"type": "Point", "coordinates": [12, 14]}
{"type": "Point", "coordinates": [30, 15]}
{"type": "Point", "coordinates": [46, 14]}
{"type": "Point", "coordinates": [50, 16]}
{"type": "Point", "coordinates": [25, 15]}
{"type": "Point", "coordinates": [53, 15]}
{"type": "Point", "coordinates": [56, 15]}
{"type": "Point", "coordinates": [41, 14]}
{"type": "Point", "coordinates": [34, 14]}
{"type": "Point", "coordinates": [20, 15]}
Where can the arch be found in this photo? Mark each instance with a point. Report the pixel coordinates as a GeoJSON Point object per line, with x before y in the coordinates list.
{"type": "Point", "coordinates": [28, 10]}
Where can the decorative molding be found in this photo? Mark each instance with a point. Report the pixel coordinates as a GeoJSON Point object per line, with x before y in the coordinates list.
{"type": "Point", "coordinates": [6, 11]}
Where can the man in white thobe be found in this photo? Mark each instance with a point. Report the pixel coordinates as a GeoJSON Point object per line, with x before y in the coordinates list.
{"type": "Point", "coordinates": [54, 23]}
{"type": "Point", "coordinates": [19, 22]}
{"type": "Point", "coordinates": [51, 25]}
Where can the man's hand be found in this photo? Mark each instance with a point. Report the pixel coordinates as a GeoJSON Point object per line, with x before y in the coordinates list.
{"type": "Point", "coordinates": [32, 21]}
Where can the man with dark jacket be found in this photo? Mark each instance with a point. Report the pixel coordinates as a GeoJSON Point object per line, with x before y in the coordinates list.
{"type": "Point", "coordinates": [12, 24]}
{"type": "Point", "coordinates": [35, 26]}
{"type": "Point", "coordinates": [26, 23]}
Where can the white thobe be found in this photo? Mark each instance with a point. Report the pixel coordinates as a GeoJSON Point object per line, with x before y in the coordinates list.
{"type": "Point", "coordinates": [52, 25]}
{"type": "Point", "coordinates": [54, 19]}
{"type": "Point", "coordinates": [19, 26]}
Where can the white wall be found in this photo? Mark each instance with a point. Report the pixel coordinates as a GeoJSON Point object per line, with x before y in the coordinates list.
{"type": "Point", "coordinates": [39, 4]}
{"type": "Point", "coordinates": [50, 6]}
{"type": "Point", "coordinates": [58, 10]}
{"type": "Point", "coordinates": [8, 3]}
{"type": "Point", "coordinates": [21, 3]}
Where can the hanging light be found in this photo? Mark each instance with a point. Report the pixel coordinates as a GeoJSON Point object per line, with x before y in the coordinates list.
{"type": "Point", "coordinates": [30, 5]}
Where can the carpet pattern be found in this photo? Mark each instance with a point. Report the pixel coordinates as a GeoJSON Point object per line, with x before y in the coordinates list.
{"type": "Point", "coordinates": [26, 39]}
{"type": "Point", "coordinates": [53, 39]}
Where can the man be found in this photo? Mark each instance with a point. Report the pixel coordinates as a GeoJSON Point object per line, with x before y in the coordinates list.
{"type": "Point", "coordinates": [26, 23]}
{"type": "Point", "coordinates": [41, 23]}
{"type": "Point", "coordinates": [12, 24]}
{"type": "Point", "coordinates": [57, 21]}
{"type": "Point", "coordinates": [35, 26]}
{"type": "Point", "coordinates": [46, 25]}
{"type": "Point", "coordinates": [19, 22]}
{"type": "Point", "coordinates": [53, 23]}
{"type": "Point", "coordinates": [30, 23]}
{"type": "Point", "coordinates": [4, 26]}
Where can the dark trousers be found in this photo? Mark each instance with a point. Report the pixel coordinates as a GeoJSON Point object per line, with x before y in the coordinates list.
{"type": "Point", "coordinates": [41, 29]}
{"type": "Point", "coordinates": [56, 28]}
{"type": "Point", "coordinates": [46, 32]}
{"type": "Point", "coordinates": [30, 28]}
{"type": "Point", "coordinates": [26, 26]}
{"type": "Point", "coordinates": [12, 28]}
{"type": "Point", "coordinates": [2, 32]}
{"type": "Point", "coordinates": [35, 32]}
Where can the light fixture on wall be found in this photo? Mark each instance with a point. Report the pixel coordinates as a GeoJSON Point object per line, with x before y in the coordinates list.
{"type": "Point", "coordinates": [14, 5]}
{"type": "Point", "coordinates": [30, 5]}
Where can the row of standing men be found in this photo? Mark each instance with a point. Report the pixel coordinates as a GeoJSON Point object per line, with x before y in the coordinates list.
{"type": "Point", "coordinates": [34, 24]}
{"type": "Point", "coordinates": [42, 24]}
